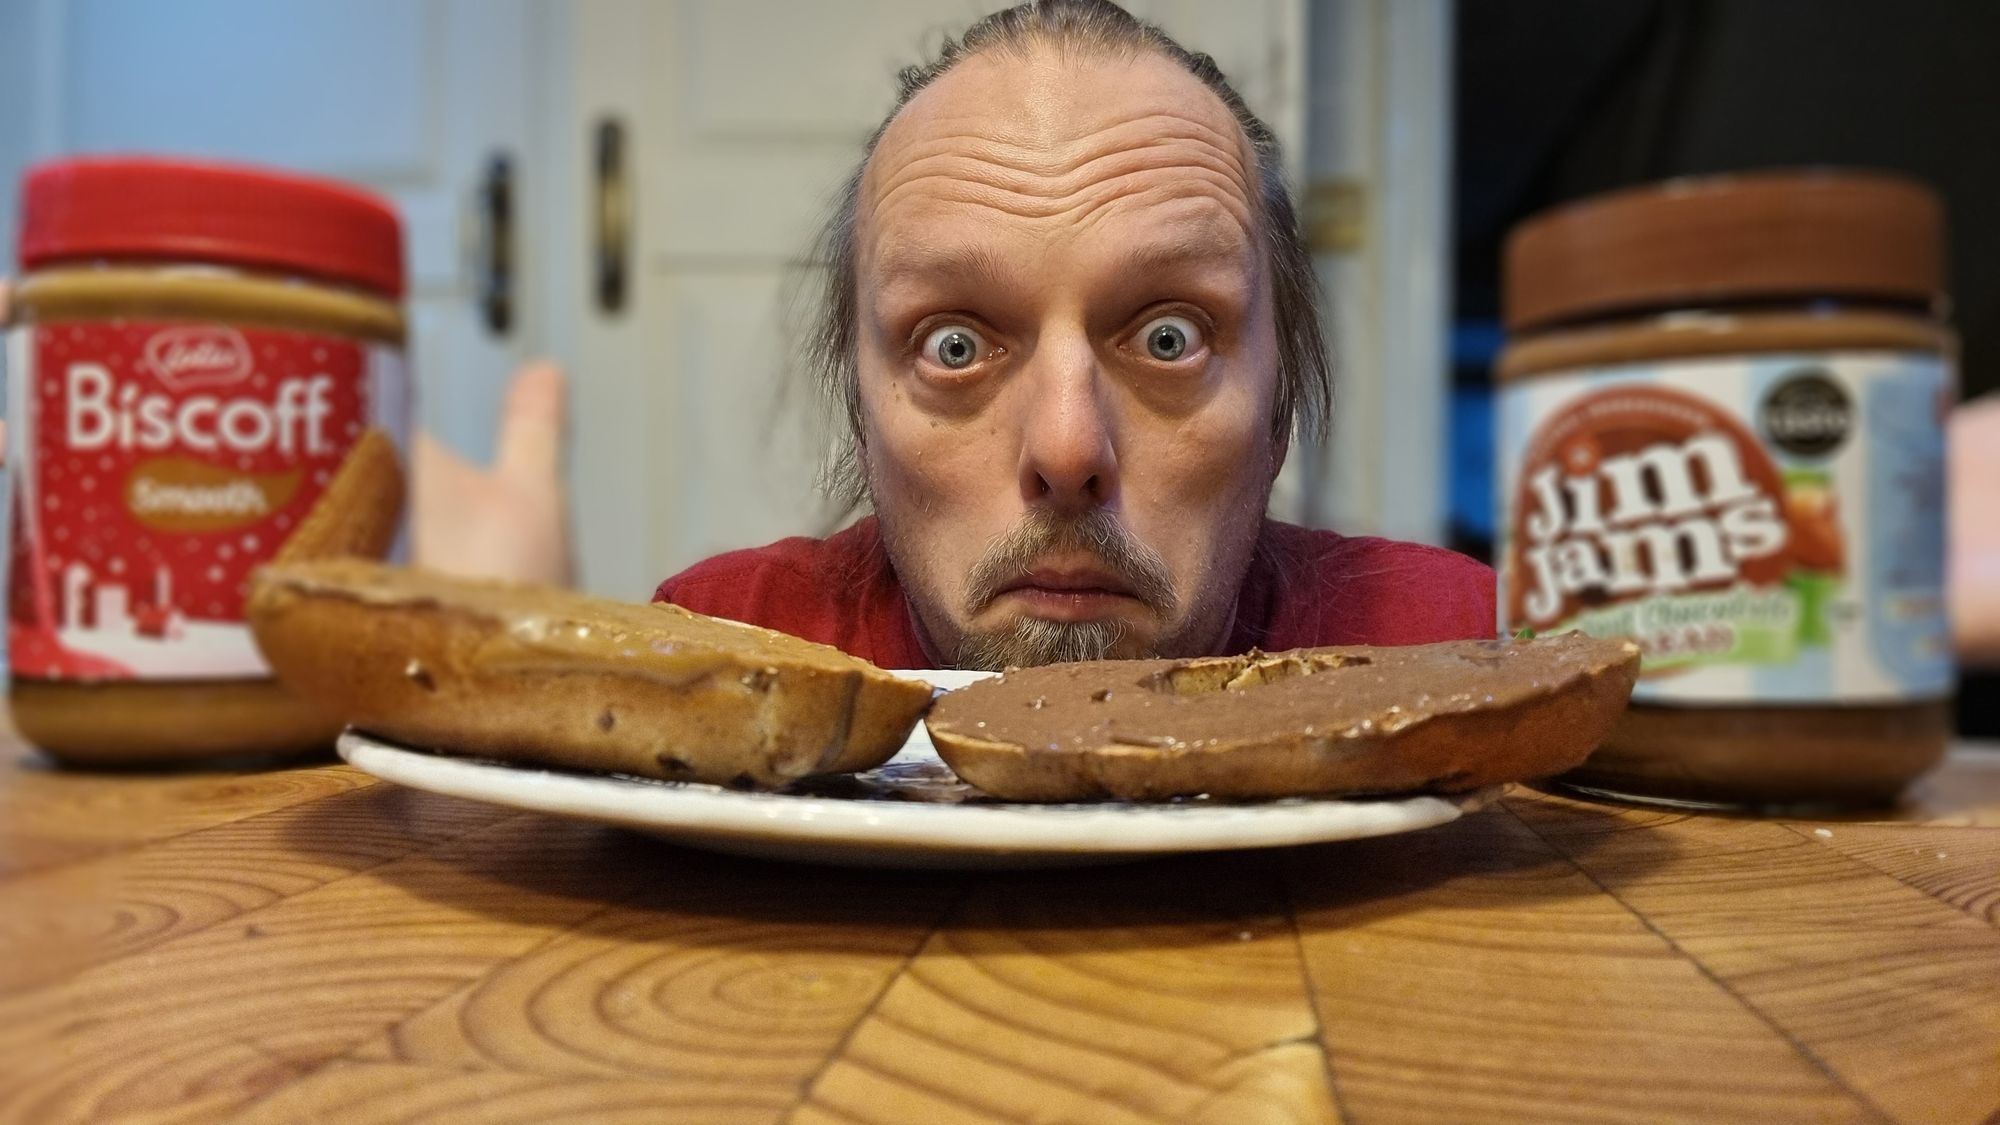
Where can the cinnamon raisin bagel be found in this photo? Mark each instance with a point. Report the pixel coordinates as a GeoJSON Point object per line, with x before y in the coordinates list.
{"type": "Point", "coordinates": [557, 678]}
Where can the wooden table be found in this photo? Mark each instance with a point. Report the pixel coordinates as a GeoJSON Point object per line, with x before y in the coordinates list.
{"type": "Point", "coordinates": [308, 944]}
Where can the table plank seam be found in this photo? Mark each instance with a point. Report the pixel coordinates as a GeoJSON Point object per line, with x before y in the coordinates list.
{"type": "Point", "coordinates": [1311, 986]}
{"type": "Point", "coordinates": [942, 1093]}
{"type": "Point", "coordinates": [1865, 861]}
{"type": "Point", "coordinates": [1812, 1057]}
{"type": "Point", "coordinates": [389, 1030]}
{"type": "Point", "coordinates": [1068, 1085]}
{"type": "Point", "coordinates": [829, 1113]}
{"type": "Point", "coordinates": [347, 1055]}
{"type": "Point", "coordinates": [1622, 817]}
{"type": "Point", "coordinates": [839, 1049]}
{"type": "Point", "coordinates": [1059, 1039]}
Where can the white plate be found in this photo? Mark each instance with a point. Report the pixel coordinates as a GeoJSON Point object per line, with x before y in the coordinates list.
{"type": "Point", "coordinates": [878, 832]}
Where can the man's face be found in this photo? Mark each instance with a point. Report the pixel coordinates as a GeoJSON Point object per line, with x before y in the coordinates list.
{"type": "Point", "coordinates": [1067, 359]}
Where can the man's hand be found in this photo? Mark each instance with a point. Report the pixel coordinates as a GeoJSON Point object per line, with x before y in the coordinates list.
{"type": "Point", "coordinates": [512, 520]}
{"type": "Point", "coordinates": [1974, 566]}
{"type": "Point", "coordinates": [3, 324]}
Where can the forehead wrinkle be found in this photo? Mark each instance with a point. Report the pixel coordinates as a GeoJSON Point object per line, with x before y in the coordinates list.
{"type": "Point", "coordinates": [970, 178]}
{"type": "Point", "coordinates": [1091, 211]}
{"type": "Point", "coordinates": [974, 168]}
{"type": "Point", "coordinates": [1058, 158]}
{"type": "Point", "coordinates": [1150, 187]}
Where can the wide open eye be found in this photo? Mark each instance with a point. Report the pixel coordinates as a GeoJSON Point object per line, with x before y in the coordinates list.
{"type": "Point", "coordinates": [1170, 339]}
{"type": "Point", "coordinates": [954, 347]}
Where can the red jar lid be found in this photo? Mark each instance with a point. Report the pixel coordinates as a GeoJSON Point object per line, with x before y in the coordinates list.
{"type": "Point", "coordinates": [142, 207]}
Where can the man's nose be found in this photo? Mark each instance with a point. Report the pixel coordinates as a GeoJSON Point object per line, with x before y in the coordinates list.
{"type": "Point", "coordinates": [1068, 459]}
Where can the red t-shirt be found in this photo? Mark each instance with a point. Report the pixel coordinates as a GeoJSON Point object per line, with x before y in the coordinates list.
{"type": "Point", "coordinates": [1304, 588]}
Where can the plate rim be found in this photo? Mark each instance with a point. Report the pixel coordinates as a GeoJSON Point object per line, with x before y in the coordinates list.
{"type": "Point", "coordinates": [1019, 828]}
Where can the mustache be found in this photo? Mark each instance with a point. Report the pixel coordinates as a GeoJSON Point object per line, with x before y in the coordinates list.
{"type": "Point", "coordinates": [1095, 532]}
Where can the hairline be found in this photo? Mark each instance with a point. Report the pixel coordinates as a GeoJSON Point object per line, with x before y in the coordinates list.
{"type": "Point", "coordinates": [1301, 398]}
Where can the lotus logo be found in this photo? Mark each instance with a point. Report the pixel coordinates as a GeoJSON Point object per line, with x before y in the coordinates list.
{"type": "Point", "coordinates": [198, 356]}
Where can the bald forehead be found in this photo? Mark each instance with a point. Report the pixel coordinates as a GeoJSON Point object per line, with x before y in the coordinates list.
{"type": "Point", "coordinates": [1057, 138]}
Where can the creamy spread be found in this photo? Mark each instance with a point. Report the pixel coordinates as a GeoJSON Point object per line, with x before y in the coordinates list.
{"type": "Point", "coordinates": [532, 627]}
{"type": "Point", "coordinates": [196, 351]}
{"type": "Point", "coordinates": [1720, 434]}
{"type": "Point", "coordinates": [1330, 694]}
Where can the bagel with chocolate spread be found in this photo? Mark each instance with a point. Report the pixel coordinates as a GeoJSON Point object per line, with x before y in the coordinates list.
{"type": "Point", "coordinates": [557, 678]}
{"type": "Point", "coordinates": [1349, 720]}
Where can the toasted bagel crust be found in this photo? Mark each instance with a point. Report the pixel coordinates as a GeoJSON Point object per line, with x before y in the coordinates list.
{"type": "Point", "coordinates": [557, 678]}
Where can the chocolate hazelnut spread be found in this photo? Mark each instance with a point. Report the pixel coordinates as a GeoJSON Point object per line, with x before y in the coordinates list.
{"type": "Point", "coordinates": [1721, 433]}
{"type": "Point", "coordinates": [196, 352]}
{"type": "Point", "coordinates": [1347, 719]}
{"type": "Point", "coordinates": [1194, 705]}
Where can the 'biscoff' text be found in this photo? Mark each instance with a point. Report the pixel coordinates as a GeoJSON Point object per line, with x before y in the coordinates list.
{"type": "Point", "coordinates": [103, 414]}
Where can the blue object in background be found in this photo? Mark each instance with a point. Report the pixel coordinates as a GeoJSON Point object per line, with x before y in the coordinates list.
{"type": "Point", "coordinates": [1469, 496]}
{"type": "Point", "coordinates": [1471, 500]}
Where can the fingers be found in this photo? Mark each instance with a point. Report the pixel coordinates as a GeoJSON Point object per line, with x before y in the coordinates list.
{"type": "Point", "coordinates": [532, 421]}
{"type": "Point", "coordinates": [3, 323]}
{"type": "Point", "coordinates": [510, 521]}
{"type": "Point", "coordinates": [432, 461]}
{"type": "Point", "coordinates": [1974, 567]}
{"type": "Point", "coordinates": [439, 482]}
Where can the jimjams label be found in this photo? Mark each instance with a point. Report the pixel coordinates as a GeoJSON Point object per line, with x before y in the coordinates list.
{"type": "Point", "coordinates": [1768, 528]}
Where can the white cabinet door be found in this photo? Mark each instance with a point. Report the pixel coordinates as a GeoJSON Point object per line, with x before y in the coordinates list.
{"type": "Point", "coordinates": [692, 433]}
{"type": "Point", "coordinates": [743, 116]}
{"type": "Point", "coordinates": [408, 97]}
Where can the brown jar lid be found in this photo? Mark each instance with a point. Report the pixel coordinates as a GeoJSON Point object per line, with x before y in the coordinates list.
{"type": "Point", "coordinates": [1795, 235]}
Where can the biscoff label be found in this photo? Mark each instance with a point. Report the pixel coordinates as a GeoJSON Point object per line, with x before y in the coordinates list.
{"type": "Point", "coordinates": [158, 464]}
{"type": "Point", "coordinates": [1770, 528]}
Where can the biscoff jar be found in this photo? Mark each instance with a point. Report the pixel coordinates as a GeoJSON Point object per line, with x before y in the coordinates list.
{"type": "Point", "coordinates": [1721, 432]}
{"type": "Point", "coordinates": [205, 373]}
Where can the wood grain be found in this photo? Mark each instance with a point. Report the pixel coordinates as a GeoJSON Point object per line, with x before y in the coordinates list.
{"type": "Point", "coordinates": [1913, 1021]}
{"type": "Point", "coordinates": [1892, 989]}
{"type": "Point", "coordinates": [1167, 992]}
{"type": "Point", "coordinates": [1712, 874]}
{"type": "Point", "coordinates": [56, 921]}
{"type": "Point", "coordinates": [204, 1023]}
{"type": "Point", "coordinates": [305, 944]}
{"type": "Point", "coordinates": [734, 979]}
{"type": "Point", "coordinates": [1471, 973]}
{"type": "Point", "coordinates": [1956, 866]}
{"type": "Point", "coordinates": [50, 815]}
{"type": "Point", "coordinates": [379, 1094]}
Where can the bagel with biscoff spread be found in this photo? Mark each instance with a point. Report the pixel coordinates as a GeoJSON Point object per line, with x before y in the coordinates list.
{"type": "Point", "coordinates": [548, 676]}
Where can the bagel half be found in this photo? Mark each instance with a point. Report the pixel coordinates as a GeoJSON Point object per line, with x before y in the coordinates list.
{"type": "Point", "coordinates": [1329, 721]}
{"type": "Point", "coordinates": [557, 678]}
